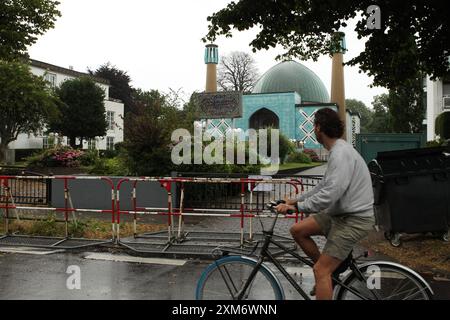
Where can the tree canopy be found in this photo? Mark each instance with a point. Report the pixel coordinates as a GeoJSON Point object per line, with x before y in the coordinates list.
{"type": "Point", "coordinates": [21, 22]}
{"type": "Point", "coordinates": [120, 84]}
{"type": "Point", "coordinates": [82, 110]}
{"type": "Point", "coordinates": [363, 110]}
{"type": "Point", "coordinates": [414, 36]}
{"type": "Point", "coordinates": [26, 103]}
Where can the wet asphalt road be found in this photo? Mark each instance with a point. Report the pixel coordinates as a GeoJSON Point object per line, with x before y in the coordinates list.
{"type": "Point", "coordinates": [24, 276]}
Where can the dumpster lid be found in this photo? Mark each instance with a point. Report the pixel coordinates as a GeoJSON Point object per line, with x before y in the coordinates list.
{"type": "Point", "coordinates": [408, 153]}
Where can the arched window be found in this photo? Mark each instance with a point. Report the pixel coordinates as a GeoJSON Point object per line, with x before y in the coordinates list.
{"type": "Point", "coordinates": [264, 118]}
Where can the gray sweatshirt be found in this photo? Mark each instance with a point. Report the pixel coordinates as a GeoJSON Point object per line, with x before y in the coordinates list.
{"type": "Point", "coordinates": [346, 187]}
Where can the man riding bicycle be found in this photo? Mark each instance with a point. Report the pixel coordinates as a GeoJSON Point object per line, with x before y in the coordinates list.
{"type": "Point", "coordinates": [343, 201]}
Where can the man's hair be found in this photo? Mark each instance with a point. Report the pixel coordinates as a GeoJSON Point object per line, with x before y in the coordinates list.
{"type": "Point", "coordinates": [329, 122]}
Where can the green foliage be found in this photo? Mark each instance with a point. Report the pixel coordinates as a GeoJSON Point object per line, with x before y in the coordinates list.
{"type": "Point", "coordinates": [82, 110]}
{"type": "Point", "coordinates": [381, 120]}
{"type": "Point", "coordinates": [120, 84]}
{"type": "Point", "coordinates": [363, 110]}
{"type": "Point", "coordinates": [221, 168]}
{"type": "Point", "coordinates": [26, 104]}
{"type": "Point", "coordinates": [89, 157]}
{"type": "Point", "coordinates": [109, 167]}
{"type": "Point", "coordinates": [22, 22]}
{"type": "Point", "coordinates": [77, 228]}
{"type": "Point", "coordinates": [400, 111]}
{"type": "Point", "coordinates": [434, 143]}
{"type": "Point", "coordinates": [413, 36]}
{"type": "Point", "coordinates": [406, 106]}
{"type": "Point", "coordinates": [298, 157]}
{"type": "Point", "coordinates": [47, 227]}
{"type": "Point", "coordinates": [148, 133]}
{"type": "Point", "coordinates": [285, 145]}
{"type": "Point", "coordinates": [442, 125]}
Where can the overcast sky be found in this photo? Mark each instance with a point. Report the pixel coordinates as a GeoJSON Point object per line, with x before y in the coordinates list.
{"type": "Point", "coordinates": [158, 43]}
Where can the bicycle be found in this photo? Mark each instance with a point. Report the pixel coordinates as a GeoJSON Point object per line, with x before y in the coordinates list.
{"type": "Point", "coordinates": [246, 276]}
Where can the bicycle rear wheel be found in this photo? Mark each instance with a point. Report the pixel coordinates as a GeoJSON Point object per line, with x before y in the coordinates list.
{"type": "Point", "coordinates": [385, 281]}
{"type": "Point", "coordinates": [226, 277]}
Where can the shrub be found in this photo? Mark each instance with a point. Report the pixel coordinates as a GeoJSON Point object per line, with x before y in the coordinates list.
{"type": "Point", "coordinates": [109, 153]}
{"type": "Point", "coordinates": [434, 143]}
{"type": "Point", "coordinates": [298, 157]}
{"type": "Point", "coordinates": [63, 156]}
{"type": "Point", "coordinates": [312, 154]}
{"type": "Point", "coordinates": [89, 158]}
{"type": "Point", "coordinates": [113, 167]}
{"type": "Point", "coordinates": [443, 125]}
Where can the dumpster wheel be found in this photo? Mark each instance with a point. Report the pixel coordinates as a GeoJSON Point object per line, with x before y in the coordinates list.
{"type": "Point", "coordinates": [395, 239]}
{"type": "Point", "coordinates": [441, 235]}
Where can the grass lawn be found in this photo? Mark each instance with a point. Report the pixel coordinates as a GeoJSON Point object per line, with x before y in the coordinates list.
{"type": "Point", "coordinates": [89, 229]}
{"type": "Point", "coordinates": [289, 166]}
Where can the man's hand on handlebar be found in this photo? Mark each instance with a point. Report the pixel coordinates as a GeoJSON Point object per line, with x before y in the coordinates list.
{"type": "Point", "coordinates": [291, 202]}
{"type": "Point", "coordinates": [285, 208]}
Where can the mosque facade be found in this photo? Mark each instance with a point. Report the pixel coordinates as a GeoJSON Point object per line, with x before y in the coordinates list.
{"type": "Point", "coordinates": [286, 97]}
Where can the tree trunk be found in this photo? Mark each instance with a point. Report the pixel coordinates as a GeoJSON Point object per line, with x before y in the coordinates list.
{"type": "Point", "coordinates": [3, 148]}
{"type": "Point", "coordinates": [73, 142]}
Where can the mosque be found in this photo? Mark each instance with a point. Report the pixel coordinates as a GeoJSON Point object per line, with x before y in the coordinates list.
{"type": "Point", "coordinates": [286, 97]}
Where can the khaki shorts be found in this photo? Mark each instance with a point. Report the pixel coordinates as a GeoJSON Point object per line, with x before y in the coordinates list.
{"type": "Point", "coordinates": [343, 232]}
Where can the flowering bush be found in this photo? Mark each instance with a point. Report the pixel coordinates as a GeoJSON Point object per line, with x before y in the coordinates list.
{"type": "Point", "coordinates": [312, 154]}
{"type": "Point", "coordinates": [57, 157]}
{"type": "Point", "coordinates": [68, 158]}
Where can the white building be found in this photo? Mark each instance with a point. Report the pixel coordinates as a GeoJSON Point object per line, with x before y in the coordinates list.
{"type": "Point", "coordinates": [438, 101]}
{"type": "Point", "coordinates": [114, 111]}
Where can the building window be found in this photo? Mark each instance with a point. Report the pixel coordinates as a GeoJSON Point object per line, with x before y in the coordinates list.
{"type": "Point", "coordinates": [109, 143]}
{"type": "Point", "coordinates": [110, 120]}
{"type": "Point", "coordinates": [92, 144]}
{"type": "Point", "coordinates": [48, 142]}
{"type": "Point", "coordinates": [51, 79]}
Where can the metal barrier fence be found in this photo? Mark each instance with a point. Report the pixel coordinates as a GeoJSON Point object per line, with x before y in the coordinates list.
{"type": "Point", "coordinates": [8, 204]}
{"type": "Point", "coordinates": [241, 198]}
{"type": "Point", "coordinates": [236, 198]}
{"type": "Point", "coordinates": [36, 191]}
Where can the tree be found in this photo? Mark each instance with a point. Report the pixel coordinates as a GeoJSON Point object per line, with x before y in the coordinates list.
{"type": "Point", "coordinates": [82, 111]}
{"type": "Point", "coordinates": [363, 110]}
{"type": "Point", "coordinates": [26, 104]}
{"type": "Point", "coordinates": [413, 35]}
{"type": "Point", "coordinates": [237, 72]}
{"type": "Point", "coordinates": [21, 22]}
{"type": "Point", "coordinates": [442, 128]}
{"type": "Point", "coordinates": [406, 106]}
{"type": "Point", "coordinates": [148, 133]}
{"type": "Point", "coordinates": [381, 119]}
{"type": "Point", "coordinates": [120, 84]}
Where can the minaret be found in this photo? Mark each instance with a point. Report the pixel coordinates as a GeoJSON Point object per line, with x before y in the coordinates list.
{"type": "Point", "coordinates": [211, 61]}
{"type": "Point", "coordinates": [337, 77]}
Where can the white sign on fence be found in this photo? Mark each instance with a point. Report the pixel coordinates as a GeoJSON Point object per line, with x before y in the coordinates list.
{"type": "Point", "coordinates": [261, 187]}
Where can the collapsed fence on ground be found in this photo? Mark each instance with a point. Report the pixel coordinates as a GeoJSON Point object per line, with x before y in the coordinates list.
{"type": "Point", "coordinates": [240, 198]}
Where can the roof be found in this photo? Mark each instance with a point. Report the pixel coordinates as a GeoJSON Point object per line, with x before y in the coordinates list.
{"type": "Point", "coordinates": [288, 76]}
{"type": "Point", "coordinates": [69, 72]}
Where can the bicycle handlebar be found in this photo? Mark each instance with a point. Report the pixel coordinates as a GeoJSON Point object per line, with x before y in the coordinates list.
{"type": "Point", "coordinates": [272, 204]}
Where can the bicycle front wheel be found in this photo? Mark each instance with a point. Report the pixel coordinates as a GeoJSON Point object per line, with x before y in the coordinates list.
{"type": "Point", "coordinates": [225, 279]}
{"type": "Point", "coordinates": [384, 281]}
